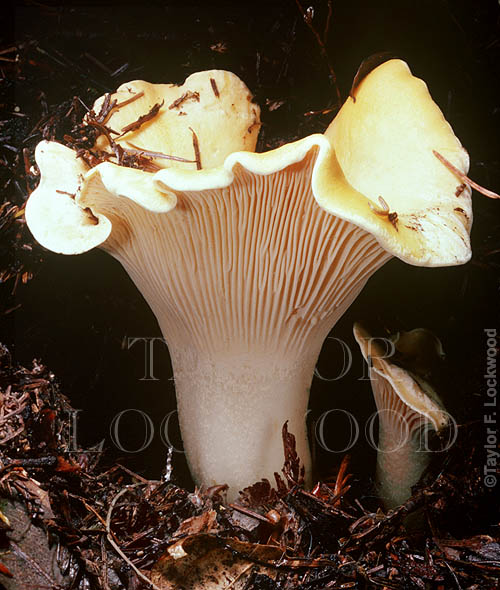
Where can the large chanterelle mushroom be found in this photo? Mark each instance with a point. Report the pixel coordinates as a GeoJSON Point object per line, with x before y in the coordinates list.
{"type": "Point", "coordinates": [248, 259]}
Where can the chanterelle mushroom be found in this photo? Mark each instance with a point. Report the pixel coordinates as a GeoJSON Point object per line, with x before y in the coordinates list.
{"type": "Point", "coordinates": [407, 407]}
{"type": "Point", "coordinates": [248, 259]}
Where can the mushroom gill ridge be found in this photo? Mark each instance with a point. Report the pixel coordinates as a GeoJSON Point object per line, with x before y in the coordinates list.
{"type": "Point", "coordinates": [257, 263]}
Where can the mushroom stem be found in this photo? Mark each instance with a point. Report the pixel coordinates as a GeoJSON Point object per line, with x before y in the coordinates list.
{"type": "Point", "coordinates": [226, 434]}
{"type": "Point", "coordinates": [401, 456]}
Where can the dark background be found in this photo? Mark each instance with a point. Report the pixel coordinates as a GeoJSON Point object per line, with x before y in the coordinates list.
{"type": "Point", "coordinates": [76, 314]}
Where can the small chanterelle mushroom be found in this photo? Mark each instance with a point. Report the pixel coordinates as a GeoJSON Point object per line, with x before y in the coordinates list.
{"type": "Point", "coordinates": [248, 259]}
{"type": "Point", "coordinates": [407, 407]}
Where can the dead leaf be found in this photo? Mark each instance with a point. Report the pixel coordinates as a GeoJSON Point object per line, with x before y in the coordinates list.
{"type": "Point", "coordinates": [206, 562]}
{"type": "Point", "coordinates": [204, 523]}
{"type": "Point", "coordinates": [42, 497]}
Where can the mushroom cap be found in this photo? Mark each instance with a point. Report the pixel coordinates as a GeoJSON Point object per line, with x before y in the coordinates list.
{"type": "Point", "coordinates": [379, 145]}
{"type": "Point", "coordinates": [59, 217]}
{"type": "Point", "coordinates": [414, 392]}
{"type": "Point", "coordinates": [215, 105]}
{"type": "Point", "coordinates": [63, 212]}
{"type": "Point", "coordinates": [384, 139]}
{"type": "Point", "coordinates": [419, 350]}
{"type": "Point", "coordinates": [53, 213]}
